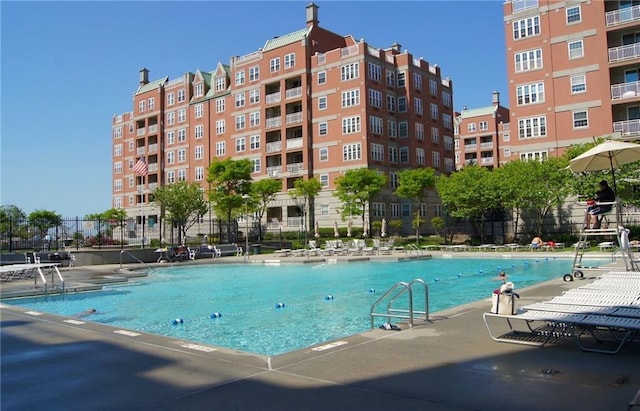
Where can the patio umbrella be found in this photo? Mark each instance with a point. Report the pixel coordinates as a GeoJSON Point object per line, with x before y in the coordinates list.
{"type": "Point", "coordinates": [365, 229]}
{"type": "Point", "coordinates": [336, 234]}
{"type": "Point", "coordinates": [608, 155]}
{"type": "Point", "coordinates": [383, 230]}
{"type": "Point", "coordinates": [349, 225]}
{"type": "Point", "coordinates": [317, 230]}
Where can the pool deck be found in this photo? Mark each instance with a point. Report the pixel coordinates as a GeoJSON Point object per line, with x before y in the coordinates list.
{"type": "Point", "coordinates": [52, 362]}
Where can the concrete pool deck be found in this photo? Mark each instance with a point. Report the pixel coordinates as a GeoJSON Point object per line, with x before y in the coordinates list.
{"type": "Point", "coordinates": [53, 362]}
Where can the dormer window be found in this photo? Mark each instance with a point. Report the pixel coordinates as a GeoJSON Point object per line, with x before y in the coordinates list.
{"type": "Point", "coordinates": [199, 90]}
{"type": "Point", "coordinates": [221, 84]}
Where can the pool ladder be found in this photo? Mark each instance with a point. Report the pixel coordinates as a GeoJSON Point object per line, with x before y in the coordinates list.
{"type": "Point", "coordinates": [396, 291]}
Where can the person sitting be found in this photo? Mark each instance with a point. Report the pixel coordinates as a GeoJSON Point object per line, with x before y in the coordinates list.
{"type": "Point", "coordinates": [593, 214]}
{"type": "Point", "coordinates": [536, 242]}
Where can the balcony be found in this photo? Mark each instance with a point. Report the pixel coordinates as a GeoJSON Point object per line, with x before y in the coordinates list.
{"type": "Point", "coordinates": [153, 186]}
{"type": "Point", "coordinates": [627, 127]}
{"type": "Point", "coordinates": [153, 167]}
{"type": "Point", "coordinates": [625, 90]}
{"type": "Point", "coordinates": [273, 122]}
{"type": "Point", "coordinates": [622, 53]}
{"type": "Point", "coordinates": [294, 221]}
{"type": "Point", "coordinates": [470, 147]}
{"type": "Point", "coordinates": [294, 143]}
{"type": "Point", "coordinates": [294, 118]}
{"type": "Point", "coordinates": [141, 131]}
{"type": "Point", "coordinates": [348, 51]}
{"type": "Point", "coordinates": [622, 16]}
{"type": "Point", "coordinates": [153, 148]}
{"type": "Point", "coordinates": [274, 170]}
{"type": "Point", "coordinates": [153, 128]}
{"type": "Point", "coordinates": [274, 146]}
{"type": "Point", "coordinates": [486, 161]}
{"type": "Point", "coordinates": [140, 150]}
{"type": "Point", "coordinates": [294, 168]}
{"type": "Point", "coordinates": [294, 92]}
{"type": "Point", "coordinates": [487, 145]}
{"type": "Point", "coordinates": [273, 98]}
{"type": "Point", "coordinates": [470, 161]}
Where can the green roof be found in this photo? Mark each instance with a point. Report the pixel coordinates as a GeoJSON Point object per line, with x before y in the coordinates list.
{"type": "Point", "coordinates": [151, 86]}
{"type": "Point", "coordinates": [476, 112]}
{"type": "Point", "coordinates": [286, 39]}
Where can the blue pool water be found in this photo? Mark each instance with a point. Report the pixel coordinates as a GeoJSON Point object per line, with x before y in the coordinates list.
{"type": "Point", "coordinates": [247, 295]}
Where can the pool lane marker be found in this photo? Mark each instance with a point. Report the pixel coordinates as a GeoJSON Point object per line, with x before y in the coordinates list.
{"type": "Point", "coordinates": [127, 332]}
{"type": "Point", "coordinates": [329, 346]}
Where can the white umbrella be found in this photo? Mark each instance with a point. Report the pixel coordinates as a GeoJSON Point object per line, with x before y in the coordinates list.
{"type": "Point", "coordinates": [349, 225]}
{"type": "Point", "coordinates": [365, 229]}
{"type": "Point", "coordinates": [383, 230]}
{"type": "Point", "coordinates": [336, 234]}
{"type": "Point", "coordinates": [317, 229]}
{"type": "Point", "coordinates": [608, 155]}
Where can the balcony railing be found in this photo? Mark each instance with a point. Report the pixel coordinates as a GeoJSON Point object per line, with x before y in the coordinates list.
{"type": "Point", "coordinates": [349, 51]}
{"type": "Point", "coordinates": [622, 16]}
{"type": "Point", "coordinates": [274, 170]}
{"type": "Point", "coordinates": [153, 128]}
{"type": "Point", "coordinates": [273, 122]}
{"type": "Point", "coordinates": [486, 145]}
{"type": "Point", "coordinates": [140, 150]}
{"type": "Point", "coordinates": [485, 161]}
{"type": "Point", "coordinates": [294, 221]}
{"type": "Point", "coordinates": [273, 98]}
{"type": "Point", "coordinates": [294, 92]}
{"type": "Point", "coordinates": [153, 167]}
{"type": "Point", "coordinates": [622, 53]}
{"type": "Point", "coordinates": [274, 146]}
{"type": "Point", "coordinates": [153, 186]}
{"type": "Point", "coordinates": [625, 90]}
{"type": "Point", "coordinates": [141, 131]}
{"type": "Point", "coordinates": [521, 5]}
{"type": "Point", "coordinates": [295, 167]}
{"type": "Point", "coordinates": [627, 127]}
{"type": "Point", "coordinates": [470, 147]}
{"type": "Point", "coordinates": [294, 143]}
{"type": "Point", "coordinates": [153, 148]}
{"type": "Point", "coordinates": [294, 118]}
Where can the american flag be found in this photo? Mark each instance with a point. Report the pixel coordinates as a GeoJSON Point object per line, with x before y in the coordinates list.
{"type": "Point", "coordinates": [140, 168]}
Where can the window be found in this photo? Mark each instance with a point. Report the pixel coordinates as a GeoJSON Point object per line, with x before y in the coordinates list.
{"type": "Point", "coordinates": [393, 154]}
{"type": "Point", "coordinates": [351, 125]}
{"type": "Point", "coordinates": [117, 150]}
{"type": "Point", "coordinates": [406, 210]}
{"type": "Point", "coordinates": [378, 209]}
{"type": "Point", "coordinates": [182, 115]}
{"type": "Point", "coordinates": [171, 157]}
{"type": "Point", "coordinates": [257, 165]}
{"type": "Point", "coordinates": [483, 125]}
{"type": "Point", "coordinates": [526, 27]}
{"type": "Point", "coordinates": [241, 144]}
{"type": "Point", "coordinates": [198, 90]}
{"type": "Point", "coordinates": [534, 155]}
{"type": "Point", "coordinates": [220, 127]}
{"type": "Point", "coordinates": [151, 103]}
{"type": "Point", "coordinates": [377, 152]}
{"type": "Point", "coordinates": [198, 152]}
{"type": "Point", "coordinates": [376, 125]}
{"type": "Point", "coordinates": [220, 148]}
{"type": "Point", "coordinates": [182, 155]}
{"type": "Point", "coordinates": [117, 185]}
{"type": "Point", "coordinates": [391, 103]}
{"type": "Point", "coordinates": [254, 119]}
{"type": "Point", "coordinates": [322, 77]}
{"type": "Point", "coordinates": [401, 79]}
{"type": "Point", "coordinates": [402, 104]}
{"type": "Point", "coordinates": [447, 121]}
{"type": "Point", "coordinates": [323, 128]}
{"type": "Point", "coordinates": [322, 103]}
{"type": "Point", "coordinates": [394, 208]}
{"type": "Point", "coordinates": [324, 180]}
{"type": "Point", "coordinates": [240, 100]}
{"type": "Point", "coordinates": [182, 135]}
{"type": "Point", "coordinates": [274, 64]}
{"type": "Point", "coordinates": [419, 131]}
{"type": "Point", "coordinates": [350, 98]}
{"type": "Point", "coordinates": [171, 177]}
{"type": "Point", "coordinates": [290, 60]}
{"type": "Point", "coordinates": [182, 95]}
{"type": "Point", "coordinates": [528, 60]}
{"type": "Point", "coordinates": [578, 84]}
{"type": "Point", "coordinates": [198, 131]}
{"type": "Point", "coordinates": [446, 99]}
{"type": "Point", "coordinates": [374, 71]}
{"type": "Point", "coordinates": [349, 71]}
{"type": "Point", "coordinates": [240, 122]}
{"type": "Point", "coordinates": [199, 110]}
{"type": "Point", "coordinates": [199, 173]}
{"type": "Point", "coordinates": [404, 155]}
{"type": "Point", "coordinates": [323, 154]}
{"type": "Point", "coordinates": [417, 106]}
{"type": "Point", "coordinates": [239, 78]}
{"type": "Point", "coordinates": [403, 129]}
{"type": "Point", "coordinates": [375, 98]}
{"type": "Point", "coordinates": [573, 15]}
{"type": "Point", "coordinates": [417, 81]}
{"type": "Point", "coordinates": [390, 77]}
{"type": "Point", "coordinates": [254, 73]}
{"type": "Point", "coordinates": [530, 93]}
{"type": "Point", "coordinates": [351, 152]}
{"type": "Point", "coordinates": [435, 135]}
{"type": "Point", "coordinates": [434, 111]}
{"type": "Point", "coordinates": [254, 96]}
{"type": "Point", "coordinates": [117, 167]}
{"type": "Point", "coordinates": [142, 105]}
{"type": "Point", "coordinates": [220, 105]}
{"type": "Point", "coordinates": [182, 175]}
{"type": "Point", "coordinates": [392, 129]}
{"type": "Point", "coordinates": [117, 132]}
{"type": "Point", "coordinates": [435, 159]}
{"type": "Point", "coordinates": [532, 127]}
{"type": "Point", "coordinates": [393, 183]}
{"type": "Point", "coordinates": [171, 118]}
{"type": "Point", "coordinates": [254, 142]}
{"type": "Point", "coordinates": [433, 87]}
{"type": "Point", "coordinates": [131, 128]}
{"type": "Point", "coordinates": [580, 119]}
{"type": "Point", "coordinates": [171, 99]}
{"type": "Point", "coordinates": [575, 49]}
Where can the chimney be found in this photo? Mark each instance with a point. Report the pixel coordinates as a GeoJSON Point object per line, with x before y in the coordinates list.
{"type": "Point", "coordinates": [312, 15]}
{"type": "Point", "coordinates": [144, 76]}
{"type": "Point", "coordinates": [396, 47]}
{"type": "Point", "coordinates": [495, 98]}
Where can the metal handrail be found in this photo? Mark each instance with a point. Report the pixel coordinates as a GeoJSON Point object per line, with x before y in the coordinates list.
{"type": "Point", "coordinates": [134, 257]}
{"type": "Point", "coordinates": [426, 299]}
{"type": "Point", "coordinates": [405, 287]}
{"type": "Point", "coordinates": [44, 281]}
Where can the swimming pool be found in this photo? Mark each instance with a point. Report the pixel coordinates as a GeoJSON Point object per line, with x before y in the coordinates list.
{"type": "Point", "coordinates": [247, 296]}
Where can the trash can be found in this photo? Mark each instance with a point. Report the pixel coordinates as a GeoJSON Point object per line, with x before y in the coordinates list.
{"type": "Point", "coordinates": [256, 249]}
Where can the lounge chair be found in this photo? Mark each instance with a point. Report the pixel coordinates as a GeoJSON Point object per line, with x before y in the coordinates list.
{"type": "Point", "coordinates": [386, 248]}
{"type": "Point", "coordinates": [631, 262]}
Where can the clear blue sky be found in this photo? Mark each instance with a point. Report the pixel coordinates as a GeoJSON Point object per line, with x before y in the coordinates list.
{"type": "Point", "coordinates": [67, 67]}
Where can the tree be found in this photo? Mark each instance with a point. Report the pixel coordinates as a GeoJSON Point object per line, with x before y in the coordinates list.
{"type": "Point", "coordinates": [413, 184]}
{"type": "Point", "coordinates": [263, 192]}
{"type": "Point", "coordinates": [10, 218]}
{"type": "Point", "coordinates": [184, 202]}
{"type": "Point", "coordinates": [43, 220]}
{"type": "Point", "coordinates": [109, 219]}
{"type": "Point", "coordinates": [229, 180]}
{"type": "Point", "coordinates": [356, 188]}
{"type": "Point", "coordinates": [303, 193]}
{"type": "Point", "coordinates": [469, 194]}
{"type": "Point", "coordinates": [437, 223]}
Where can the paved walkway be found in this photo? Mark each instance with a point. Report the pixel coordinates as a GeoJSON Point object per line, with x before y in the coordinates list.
{"type": "Point", "coordinates": [49, 362]}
